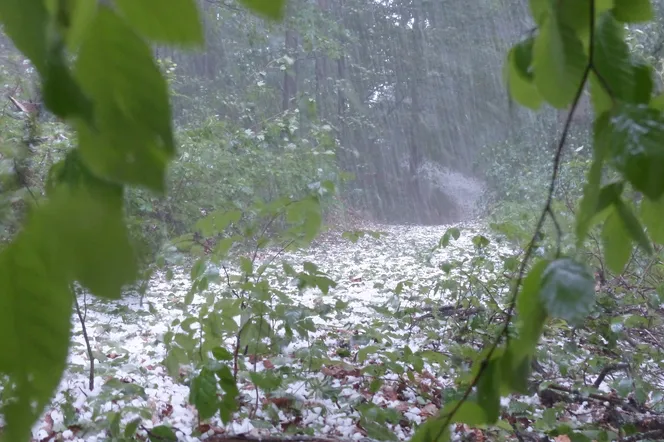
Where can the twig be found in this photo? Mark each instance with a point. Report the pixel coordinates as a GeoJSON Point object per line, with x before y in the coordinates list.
{"type": "Point", "coordinates": [91, 381]}
{"type": "Point", "coordinates": [595, 396]}
{"type": "Point", "coordinates": [609, 369]}
{"type": "Point", "coordinates": [648, 435]}
{"type": "Point", "coordinates": [540, 223]}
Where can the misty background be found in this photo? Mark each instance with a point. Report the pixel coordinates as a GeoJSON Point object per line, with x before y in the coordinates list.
{"type": "Point", "coordinates": [401, 103]}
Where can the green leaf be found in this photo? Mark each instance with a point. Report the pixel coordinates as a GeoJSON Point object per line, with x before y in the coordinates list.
{"type": "Point", "coordinates": [35, 311]}
{"type": "Point", "coordinates": [451, 233]}
{"type": "Point", "coordinates": [81, 15]}
{"type": "Point", "coordinates": [540, 10]}
{"type": "Point", "coordinates": [172, 364]}
{"type": "Point", "coordinates": [568, 290]}
{"type": "Point", "coordinates": [599, 97]}
{"type": "Point", "coordinates": [364, 352]}
{"type": "Point", "coordinates": [130, 429]}
{"type": "Point", "coordinates": [594, 199]}
{"type": "Point", "coordinates": [519, 78]}
{"type": "Point", "coordinates": [635, 137]}
{"type": "Point", "coordinates": [246, 265]}
{"type": "Point", "coordinates": [531, 309]}
{"type": "Point", "coordinates": [132, 138]}
{"type": "Point", "coordinates": [616, 242]}
{"type": "Point", "coordinates": [633, 226]}
{"type": "Point", "coordinates": [103, 259]}
{"type": "Point", "coordinates": [203, 394]}
{"type": "Point", "coordinates": [652, 214]}
{"type": "Point", "coordinates": [470, 413]}
{"type": "Point", "coordinates": [62, 95]}
{"type": "Point", "coordinates": [515, 368]}
{"type": "Point", "coordinates": [633, 11]}
{"type": "Point", "coordinates": [644, 83]}
{"type": "Point", "coordinates": [480, 241]}
{"type": "Point", "coordinates": [162, 433]}
{"type": "Point", "coordinates": [115, 424]}
{"type": "Point", "coordinates": [432, 430]}
{"type": "Point", "coordinates": [198, 269]}
{"type": "Point", "coordinates": [228, 404]}
{"type": "Point", "coordinates": [658, 102]}
{"type": "Point", "coordinates": [269, 8]}
{"type": "Point", "coordinates": [221, 354]}
{"type": "Point", "coordinates": [25, 21]}
{"type": "Point", "coordinates": [87, 216]}
{"type": "Point", "coordinates": [164, 21]}
{"type": "Point", "coordinates": [217, 221]}
{"type": "Point", "coordinates": [266, 380]}
{"type": "Point", "coordinates": [488, 391]}
{"type": "Point", "coordinates": [575, 14]}
{"type": "Point", "coordinates": [612, 59]}
{"type": "Point", "coordinates": [558, 62]}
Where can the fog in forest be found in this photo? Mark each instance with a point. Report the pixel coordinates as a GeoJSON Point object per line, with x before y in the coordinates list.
{"type": "Point", "coordinates": [409, 95]}
{"type": "Point", "coordinates": [335, 226]}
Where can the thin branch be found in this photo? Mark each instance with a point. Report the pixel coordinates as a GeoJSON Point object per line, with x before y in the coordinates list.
{"type": "Point", "coordinates": [648, 435]}
{"type": "Point", "coordinates": [540, 223]}
{"type": "Point", "coordinates": [607, 370]}
{"type": "Point", "coordinates": [91, 380]}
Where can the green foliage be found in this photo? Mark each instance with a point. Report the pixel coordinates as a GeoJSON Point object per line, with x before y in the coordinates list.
{"type": "Point", "coordinates": [129, 143]}
{"type": "Point", "coordinates": [558, 61]}
{"type": "Point", "coordinates": [118, 101]}
{"type": "Point", "coordinates": [633, 11]}
{"type": "Point", "coordinates": [568, 290]}
{"type": "Point", "coordinates": [173, 21]}
{"type": "Point", "coordinates": [617, 243]}
{"type": "Point", "coordinates": [555, 65]}
{"type": "Point", "coordinates": [111, 89]}
{"type": "Point", "coordinates": [270, 8]}
{"type": "Point", "coordinates": [519, 75]}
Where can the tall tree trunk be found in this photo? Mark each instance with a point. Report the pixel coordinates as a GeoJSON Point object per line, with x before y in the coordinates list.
{"type": "Point", "coordinates": [321, 70]}
{"type": "Point", "coordinates": [290, 74]}
{"type": "Point", "coordinates": [416, 77]}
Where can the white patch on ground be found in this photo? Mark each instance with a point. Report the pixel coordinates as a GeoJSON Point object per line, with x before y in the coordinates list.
{"type": "Point", "coordinates": [127, 341]}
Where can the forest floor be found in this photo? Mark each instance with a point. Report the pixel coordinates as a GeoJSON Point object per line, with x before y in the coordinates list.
{"type": "Point", "coordinates": [380, 361]}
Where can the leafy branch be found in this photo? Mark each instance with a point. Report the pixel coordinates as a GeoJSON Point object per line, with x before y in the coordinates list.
{"type": "Point", "coordinates": [547, 211]}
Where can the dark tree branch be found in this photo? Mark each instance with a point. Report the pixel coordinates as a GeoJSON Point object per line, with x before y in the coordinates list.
{"type": "Point", "coordinates": [607, 370]}
{"type": "Point", "coordinates": [91, 380]}
{"type": "Point", "coordinates": [540, 223]}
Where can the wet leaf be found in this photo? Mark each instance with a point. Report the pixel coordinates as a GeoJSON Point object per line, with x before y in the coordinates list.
{"type": "Point", "coordinates": [132, 139]}
{"type": "Point", "coordinates": [519, 77]}
{"type": "Point", "coordinates": [558, 62]}
{"type": "Point", "coordinates": [433, 430]}
{"type": "Point", "coordinates": [635, 137]}
{"type": "Point", "coordinates": [594, 199]}
{"type": "Point", "coordinates": [162, 433]}
{"type": "Point", "coordinates": [228, 404]}
{"type": "Point", "coordinates": [470, 413]}
{"type": "Point", "coordinates": [217, 221]}
{"type": "Point", "coordinates": [568, 290]}
{"type": "Point", "coordinates": [540, 10]}
{"type": "Point", "coordinates": [531, 309]}
{"type": "Point", "coordinates": [165, 21]}
{"type": "Point", "coordinates": [613, 61]}
{"type": "Point", "coordinates": [652, 214]}
{"type": "Point", "coordinates": [203, 394]}
{"type": "Point", "coordinates": [616, 242]}
{"type": "Point", "coordinates": [633, 226]}
{"type": "Point", "coordinates": [270, 8]}
{"type": "Point", "coordinates": [25, 21]}
{"type": "Point", "coordinates": [488, 391]}
{"type": "Point", "coordinates": [633, 11]}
